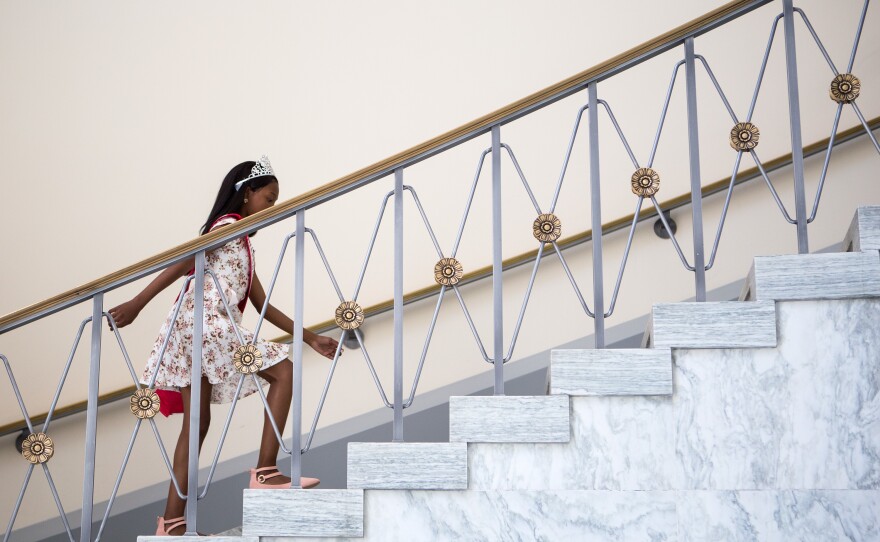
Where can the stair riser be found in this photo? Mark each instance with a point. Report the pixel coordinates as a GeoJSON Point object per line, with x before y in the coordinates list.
{"type": "Point", "coordinates": [714, 325]}
{"type": "Point", "coordinates": [509, 419]}
{"type": "Point", "coordinates": [303, 512]}
{"type": "Point", "coordinates": [816, 276]}
{"type": "Point", "coordinates": [388, 465]}
{"type": "Point", "coordinates": [611, 372]}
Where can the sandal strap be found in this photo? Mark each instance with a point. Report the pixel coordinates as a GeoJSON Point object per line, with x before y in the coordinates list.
{"type": "Point", "coordinates": [262, 469]}
{"type": "Point", "coordinates": [171, 524]}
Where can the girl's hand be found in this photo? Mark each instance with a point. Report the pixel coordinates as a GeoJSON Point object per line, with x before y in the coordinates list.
{"type": "Point", "coordinates": [325, 346]}
{"type": "Point", "coordinates": [126, 313]}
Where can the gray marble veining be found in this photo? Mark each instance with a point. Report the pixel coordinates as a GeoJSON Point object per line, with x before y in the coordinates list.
{"type": "Point", "coordinates": [611, 372]}
{"type": "Point", "coordinates": [783, 516]}
{"type": "Point", "coordinates": [838, 275]}
{"type": "Point", "coordinates": [864, 231]}
{"type": "Point", "coordinates": [805, 415]}
{"type": "Point", "coordinates": [723, 324]}
{"type": "Point", "coordinates": [303, 512]}
{"type": "Point", "coordinates": [509, 418]}
{"type": "Point", "coordinates": [407, 465]}
{"type": "Point", "coordinates": [617, 443]}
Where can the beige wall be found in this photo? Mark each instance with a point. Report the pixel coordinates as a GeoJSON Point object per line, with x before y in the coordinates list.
{"type": "Point", "coordinates": [120, 118]}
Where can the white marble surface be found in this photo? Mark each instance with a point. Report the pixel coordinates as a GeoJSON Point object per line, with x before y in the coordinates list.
{"type": "Point", "coordinates": [518, 516]}
{"type": "Point", "coordinates": [805, 415]}
{"type": "Point", "coordinates": [783, 516]}
{"type": "Point", "coordinates": [217, 538]}
{"type": "Point", "coordinates": [625, 371]}
{"type": "Point", "coordinates": [303, 512]}
{"type": "Point", "coordinates": [624, 443]}
{"type": "Point", "coordinates": [509, 418]}
{"type": "Point", "coordinates": [407, 465]}
{"type": "Point", "coordinates": [864, 231]}
{"type": "Point", "coordinates": [837, 275]}
{"type": "Point", "coordinates": [722, 324]}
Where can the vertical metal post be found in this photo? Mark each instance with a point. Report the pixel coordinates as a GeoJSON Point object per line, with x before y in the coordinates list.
{"type": "Point", "coordinates": [195, 413]}
{"type": "Point", "coordinates": [498, 314]}
{"type": "Point", "coordinates": [696, 182]}
{"type": "Point", "coordinates": [398, 306]}
{"type": "Point", "coordinates": [596, 211]}
{"type": "Point", "coordinates": [794, 117]}
{"type": "Point", "coordinates": [296, 354]}
{"type": "Point", "coordinates": [85, 533]}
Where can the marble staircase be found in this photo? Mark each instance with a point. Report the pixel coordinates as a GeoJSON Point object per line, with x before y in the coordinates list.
{"type": "Point", "coordinates": [748, 420]}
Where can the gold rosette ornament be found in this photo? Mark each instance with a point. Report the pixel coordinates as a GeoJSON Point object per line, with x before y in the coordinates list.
{"type": "Point", "coordinates": [37, 448]}
{"type": "Point", "coordinates": [845, 88]}
{"type": "Point", "coordinates": [247, 359]}
{"type": "Point", "coordinates": [744, 136]}
{"type": "Point", "coordinates": [645, 182]}
{"type": "Point", "coordinates": [547, 228]}
{"type": "Point", "coordinates": [349, 315]}
{"type": "Point", "coordinates": [448, 271]}
{"type": "Point", "coordinates": [144, 403]}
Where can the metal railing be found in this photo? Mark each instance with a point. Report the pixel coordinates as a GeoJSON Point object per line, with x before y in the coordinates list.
{"type": "Point", "coordinates": [448, 271]}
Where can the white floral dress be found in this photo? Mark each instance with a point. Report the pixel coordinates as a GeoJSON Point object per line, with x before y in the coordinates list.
{"type": "Point", "coordinates": [233, 266]}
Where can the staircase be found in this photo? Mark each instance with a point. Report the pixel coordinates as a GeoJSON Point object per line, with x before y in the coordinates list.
{"type": "Point", "coordinates": [756, 419]}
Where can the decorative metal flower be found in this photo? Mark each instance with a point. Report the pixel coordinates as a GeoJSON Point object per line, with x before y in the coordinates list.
{"type": "Point", "coordinates": [349, 315]}
{"type": "Point", "coordinates": [744, 136]}
{"type": "Point", "coordinates": [547, 228]}
{"type": "Point", "coordinates": [144, 403]}
{"type": "Point", "coordinates": [645, 182]}
{"type": "Point", "coordinates": [448, 271]}
{"type": "Point", "coordinates": [845, 88]}
{"type": "Point", "coordinates": [37, 448]}
{"type": "Point", "coordinates": [247, 359]}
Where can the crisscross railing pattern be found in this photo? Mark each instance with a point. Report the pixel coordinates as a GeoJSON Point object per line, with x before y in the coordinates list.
{"type": "Point", "coordinates": [448, 271]}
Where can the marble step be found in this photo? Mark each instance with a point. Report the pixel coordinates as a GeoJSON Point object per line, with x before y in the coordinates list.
{"type": "Point", "coordinates": [864, 232]}
{"type": "Point", "coordinates": [722, 324]}
{"type": "Point", "coordinates": [841, 275]}
{"type": "Point", "coordinates": [634, 371]}
{"type": "Point", "coordinates": [509, 419]}
{"type": "Point", "coordinates": [599, 516]}
{"type": "Point", "coordinates": [303, 512]}
{"type": "Point", "coordinates": [407, 465]}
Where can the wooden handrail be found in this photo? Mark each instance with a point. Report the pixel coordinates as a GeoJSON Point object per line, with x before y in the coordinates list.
{"type": "Point", "coordinates": [378, 170]}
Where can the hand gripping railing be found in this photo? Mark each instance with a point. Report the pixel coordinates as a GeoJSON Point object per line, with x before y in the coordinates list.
{"type": "Point", "coordinates": [448, 271]}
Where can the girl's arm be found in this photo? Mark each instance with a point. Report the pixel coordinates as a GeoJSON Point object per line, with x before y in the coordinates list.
{"type": "Point", "coordinates": [325, 346]}
{"type": "Point", "coordinates": [125, 313]}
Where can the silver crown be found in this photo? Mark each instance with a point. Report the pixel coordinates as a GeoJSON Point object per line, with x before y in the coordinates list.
{"type": "Point", "coordinates": [261, 169]}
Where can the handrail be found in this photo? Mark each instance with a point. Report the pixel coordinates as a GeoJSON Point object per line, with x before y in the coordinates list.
{"type": "Point", "coordinates": [366, 175]}
{"type": "Point", "coordinates": [510, 263]}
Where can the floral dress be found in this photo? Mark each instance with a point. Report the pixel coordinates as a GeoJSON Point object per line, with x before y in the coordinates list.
{"type": "Point", "coordinates": [232, 264]}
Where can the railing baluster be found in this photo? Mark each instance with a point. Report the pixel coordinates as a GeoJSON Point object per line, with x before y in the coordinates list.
{"type": "Point", "coordinates": [596, 213]}
{"type": "Point", "coordinates": [297, 353]}
{"type": "Point", "coordinates": [398, 306]}
{"type": "Point", "coordinates": [85, 533]}
{"type": "Point", "coordinates": [696, 183]}
{"type": "Point", "coordinates": [497, 278]}
{"type": "Point", "coordinates": [195, 414]}
{"type": "Point", "coordinates": [794, 117]}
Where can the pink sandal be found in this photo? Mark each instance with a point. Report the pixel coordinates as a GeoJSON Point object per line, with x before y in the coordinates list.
{"type": "Point", "coordinates": [165, 525]}
{"type": "Point", "coordinates": [258, 480]}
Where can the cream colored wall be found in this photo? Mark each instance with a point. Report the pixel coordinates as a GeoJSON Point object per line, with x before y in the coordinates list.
{"type": "Point", "coordinates": [119, 120]}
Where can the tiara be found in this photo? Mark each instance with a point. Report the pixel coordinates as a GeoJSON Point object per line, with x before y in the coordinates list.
{"type": "Point", "coordinates": [261, 169]}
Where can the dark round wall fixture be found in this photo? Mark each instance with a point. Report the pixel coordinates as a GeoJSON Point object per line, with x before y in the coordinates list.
{"type": "Point", "coordinates": [350, 342]}
{"type": "Point", "coordinates": [19, 440]}
{"type": "Point", "coordinates": [660, 229]}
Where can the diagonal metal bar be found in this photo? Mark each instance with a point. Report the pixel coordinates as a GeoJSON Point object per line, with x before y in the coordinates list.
{"type": "Point", "coordinates": [816, 39]}
{"type": "Point", "coordinates": [164, 453]}
{"type": "Point", "coordinates": [772, 188]}
{"type": "Point", "coordinates": [855, 47]}
{"type": "Point", "coordinates": [223, 434]}
{"type": "Point", "coordinates": [632, 231]}
{"type": "Point", "coordinates": [64, 374]}
{"type": "Point", "coordinates": [826, 162]}
{"type": "Point", "coordinates": [320, 407]}
{"type": "Point", "coordinates": [672, 238]}
{"type": "Point", "coordinates": [412, 192]}
{"type": "Point", "coordinates": [424, 355]}
{"type": "Point", "coordinates": [164, 347]}
{"type": "Point", "coordinates": [125, 458]}
{"type": "Point", "coordinates": [565, 161]}
{"type": "Point", "coordinates": [470, 322]}
{"type": "Point", "coordinates": [663, 112]}
{"type": "Point", "coordinates": [622, 137]}
{"type": "Point", "coordinates": [61, 514]}
{"type": "Point", "coordinates": [17, 507]}
{"type": "Point", "coordinates": [272, 283]}
{"type": "Point", "coordinates": [865, 125]}
{"type": "Point", "coordinates": [382, 208]}
{"type": "Point", "coordinates": [724, 210]}
{"type": "Point", "coordinates": [763, 68]}
{"type": "Point", "coordinates": [360, 340]}
{"type": "Point", "coordinates": [522, 311]}
{"type": "Point", "coordinates": [470, 200]}
{"type": "Point", "coordinates": [522, 177]}
{"type": "Point", "coordinates": [573, 282]}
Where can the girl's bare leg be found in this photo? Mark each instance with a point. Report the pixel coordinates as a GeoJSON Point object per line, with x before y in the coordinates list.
{"type": "Point", "coordinates": [175, 506]}
{"type": "Point", "coordinates": [280, 378]}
